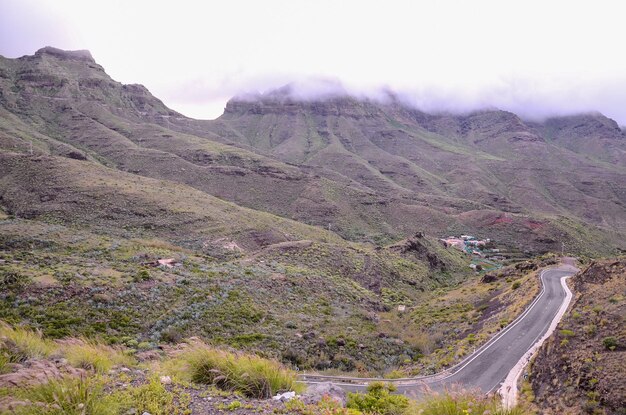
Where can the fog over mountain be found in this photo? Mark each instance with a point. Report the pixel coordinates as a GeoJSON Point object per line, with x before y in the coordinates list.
{"type": "Point", "coordinates": [447, 56]}
{"type": "Point", "coordinates": [257, 207]}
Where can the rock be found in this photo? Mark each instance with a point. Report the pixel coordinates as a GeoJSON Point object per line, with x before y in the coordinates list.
{"type": "Point", "coordinates": [315, 393]}
{"type": "Point", "coordinates": [77, 155]}
{"type": "Point", "coordinates": [283, 397]}
{"type": "Point", "coordinates": [166, 380]}
{"type": "Point", "coordinates": [148, 355]}
{"type": "Point", "coordinates": [526, 266]}
{"type": "Point", "coordinates": [36, 372]}
{"type": "Point", "coordinates": [487, 278]}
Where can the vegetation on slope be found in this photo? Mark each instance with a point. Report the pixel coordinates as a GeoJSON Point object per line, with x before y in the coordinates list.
{"type": "Point", "coordinates": [371, 172]}
{"type": "Point", "coordinates": [188, 378]}
{"type": "Point", "coordinates": [582, 367]}
{"type": "Point", "coordinates": [314, 304]}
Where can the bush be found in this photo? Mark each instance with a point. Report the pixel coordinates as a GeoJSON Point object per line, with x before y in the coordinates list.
{"type": "Point", "coordinates": [250, 375]}
{"type": "Point", "coordinates": [378, 400]}
{"type": "Point", "coordinates": [154, 399]}
{"type": "Point", "coordinates": [610, 343]}
{"type": "Point", "coordinates": [516, 285]}
{"type": "Point", "coordinates": [97, 357]}
{"type": "Point", "coordinates": [10, 280]}
{"type": "Point", "coordinates": [142, 275]}
{"type": "Point", "coordinates": [326, 406]}
{"type": "Point", "coordinates": [67, 396]}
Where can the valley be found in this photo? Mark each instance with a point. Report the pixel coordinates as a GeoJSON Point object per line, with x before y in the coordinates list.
{"type": "Point", "coordinates": [329, 237]}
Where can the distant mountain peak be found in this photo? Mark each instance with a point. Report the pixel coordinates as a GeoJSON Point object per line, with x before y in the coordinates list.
{"type": "Point", "coordinates": [77, 55]}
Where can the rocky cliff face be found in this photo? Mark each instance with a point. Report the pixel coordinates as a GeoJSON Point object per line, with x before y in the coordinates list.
{"type": "Point", "coordinates": [487, 129]}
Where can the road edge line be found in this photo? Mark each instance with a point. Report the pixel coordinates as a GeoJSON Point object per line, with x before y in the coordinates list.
{"type": "Point", "coordinates": [508, 390]}
{"type": "Point", "coordinates": [454, 369]}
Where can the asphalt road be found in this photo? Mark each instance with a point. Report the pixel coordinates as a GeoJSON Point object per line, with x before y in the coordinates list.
{"type": "Point", "coordinates": [488, 366]}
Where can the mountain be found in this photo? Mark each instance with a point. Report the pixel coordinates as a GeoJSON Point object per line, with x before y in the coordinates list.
{"type": "Point", "coordinates": [303, 229]}
{"type": "Point", "coordinates": [370, 171]}
{"type": "Point", "coordinates": [480, 170]}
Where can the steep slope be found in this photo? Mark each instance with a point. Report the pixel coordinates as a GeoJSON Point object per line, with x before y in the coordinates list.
{"type": "Point", "coordinates": [92, 196]}
{"type": "Point", "coordinates": [485, 161]}
{"type": "Point", "coordinates": [369, 171]}
{"type": "Point", "coordinates": [592, 135]}
{"type": "Point", "coordinates": [79, 251]}
{"type": "Point", "coordinates": [581, 369]}
{"type": "Point", "coordinates": [63, 103]}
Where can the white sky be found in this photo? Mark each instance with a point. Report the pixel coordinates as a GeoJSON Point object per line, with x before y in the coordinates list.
{"type": "Point", "coordinates": [533, 57]}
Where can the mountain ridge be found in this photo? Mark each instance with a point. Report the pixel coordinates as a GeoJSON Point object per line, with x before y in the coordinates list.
{"type": "Point", "coordinates": [371, 170]}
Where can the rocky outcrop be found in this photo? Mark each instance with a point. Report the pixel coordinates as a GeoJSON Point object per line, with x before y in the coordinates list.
{"type": "Point", "coordinates": [581, 368]}
{"type": "Point", "coordinates": [76, 55]}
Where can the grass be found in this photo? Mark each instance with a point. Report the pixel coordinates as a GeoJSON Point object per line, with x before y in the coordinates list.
{"type": "Point", "coordinates": [326, 406]}
{"type": "Point", "coordinates": [19, 344]}
{"type": "Point", "coordinates": [67, 396]}
{"type": "Point", "coordinates": [92, 395]}
{"type": "Point", "coordinates": [97, 357]}
{"type": "Point", "coordinates": [462, 402]}
{"type": "Point", "coordinates": [250, 375]}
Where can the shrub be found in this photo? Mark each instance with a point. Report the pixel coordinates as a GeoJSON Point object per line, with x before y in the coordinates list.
{"type": "Point", "coordinates": [94, 356]}
{"type": "Point", "coordinates": [10, 280]}
{"type": "Point", "coordinates": [142, 275]}
{"type": "Point", "coordinates": [154, 399]}
{"type": "Point", "coordinates": [610, 343]}
{"type": "Point", "coordinates": [326, 406]}
{"type": "Point", "coordinates": [378, 400]}
{"type": "Point", "coordinates": [516, 285]}
{"type": "Point", "coordinates": [234, 405]}
{"type": "Point", "coordinates": [18, 344]}
{"type": "Point", "coordinates": [67, 396]}
{"type": "Point", "coordinates": [172, 335]}
{"type": "Point", "coordinates": [567, 333]}
{"type": "Point", "coordinates": [250, 375]}
{"type": "Point", "coordinates": [394, 374]}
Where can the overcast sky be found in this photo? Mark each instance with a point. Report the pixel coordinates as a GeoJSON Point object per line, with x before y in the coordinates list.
{"type": "Point", "coordinates": [535, 58]}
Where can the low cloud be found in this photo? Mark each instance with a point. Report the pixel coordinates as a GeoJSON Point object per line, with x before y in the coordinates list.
{"type": "Point", "coordinates": [536, 59]}
{"type": "Point", "coordinates": [530, 99]}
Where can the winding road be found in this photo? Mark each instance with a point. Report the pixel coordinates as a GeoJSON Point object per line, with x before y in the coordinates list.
{"type": "Point", "coordinates": [503, 355]}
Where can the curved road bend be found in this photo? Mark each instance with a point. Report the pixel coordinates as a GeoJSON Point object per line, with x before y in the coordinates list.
{"type": "Point", "coordinates": [488, 366]}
